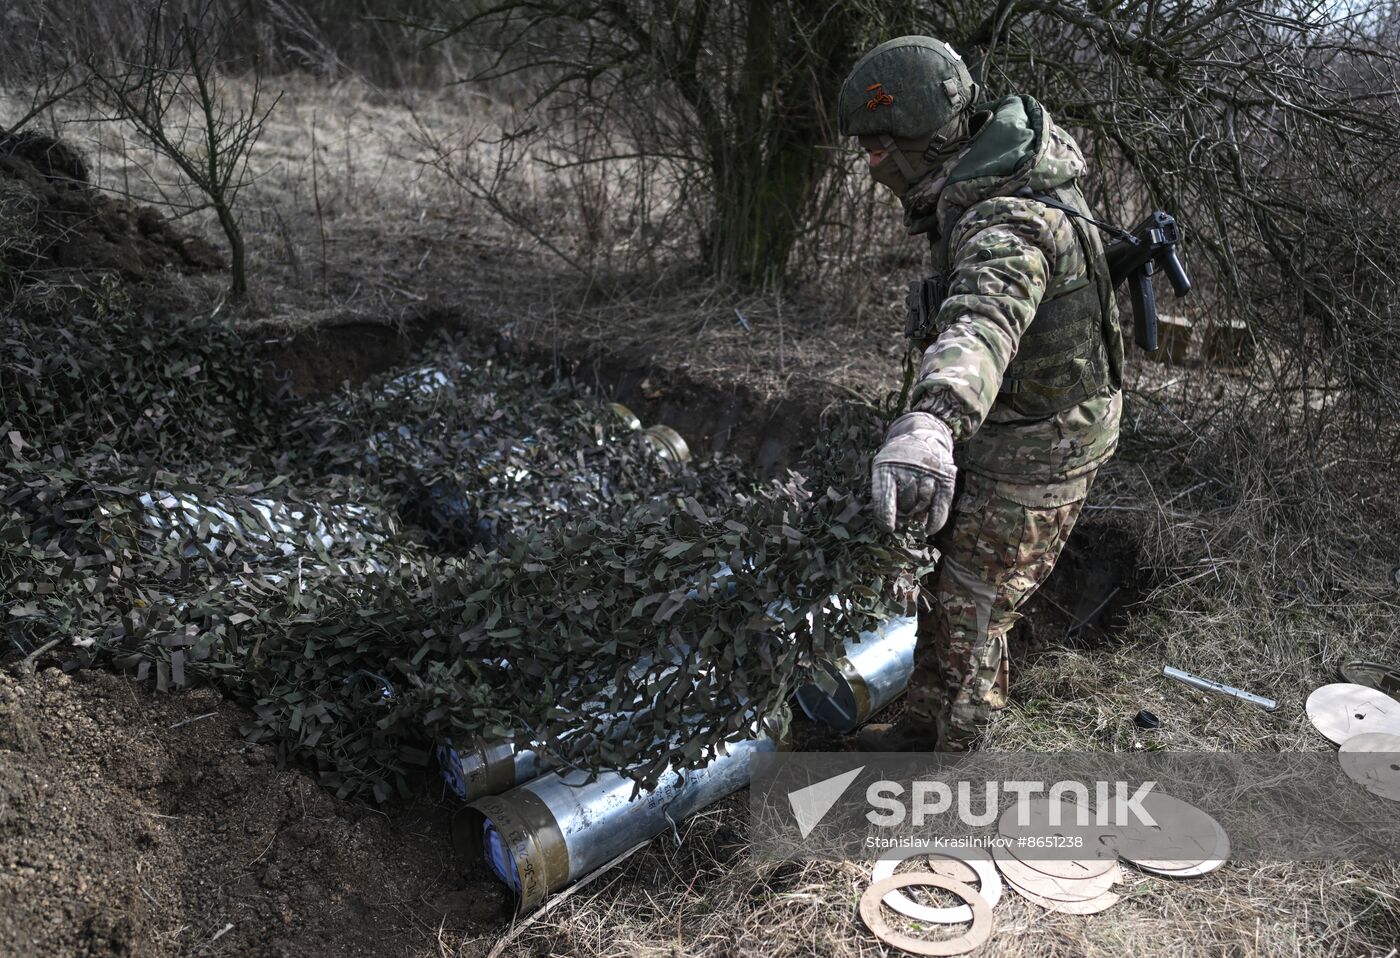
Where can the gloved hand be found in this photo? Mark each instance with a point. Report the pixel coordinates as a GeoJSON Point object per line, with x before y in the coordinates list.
{"type": "Point", "coordinates": [913, 472]}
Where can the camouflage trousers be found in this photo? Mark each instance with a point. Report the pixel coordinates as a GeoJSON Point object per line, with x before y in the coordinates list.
{"type": "Point", "coordinates": [999, 545]}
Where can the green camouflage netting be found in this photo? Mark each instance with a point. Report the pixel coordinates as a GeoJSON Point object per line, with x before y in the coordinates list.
{"type": "Point", "coordinates": [460, 550]}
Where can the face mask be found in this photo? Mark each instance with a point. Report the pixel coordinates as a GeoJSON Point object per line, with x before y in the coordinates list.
{"type": "Point", "coordinates": [903, 165]}
{"type": "Point", "coordinates": [909, 161]}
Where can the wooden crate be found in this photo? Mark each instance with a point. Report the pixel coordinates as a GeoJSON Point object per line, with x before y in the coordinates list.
{"type": "Point", "coordinates": [1173, 339]}
{"type": "Point", "coordinates": [1228, 343]}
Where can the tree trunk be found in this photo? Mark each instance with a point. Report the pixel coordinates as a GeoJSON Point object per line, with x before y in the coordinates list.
{"type": "Point", "coordinates": [767, 166]}
{"type": "Point", "coordinates": [238, 286]}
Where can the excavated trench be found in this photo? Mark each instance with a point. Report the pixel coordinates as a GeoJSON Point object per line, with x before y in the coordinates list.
{"type": "Point", "coordinates": [1084, 603]}
{"type": "Point", "coordinates": [1097, 580]}
{"type": "Point", "coordinates": [736, 419]}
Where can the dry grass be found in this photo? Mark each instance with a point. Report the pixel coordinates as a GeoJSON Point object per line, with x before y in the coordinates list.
{"type": "Point", "coordinates": [363, 227]}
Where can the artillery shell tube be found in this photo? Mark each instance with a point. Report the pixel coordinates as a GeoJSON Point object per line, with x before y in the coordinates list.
{"type": "Point", "coordinates": [874, 671]}
{"type": "Point", "coordinates": [492, 766]}
{"type": "Point", "coordinates": [284, 530]}
{"type": "Point", "coordinates": [544, 835]}
{"type": "Point", "coordinates": [426, 381]}
{"type": "Point", "coordinates": [486, 766]}
{"type": "Point", "coordinates": [668, 443]}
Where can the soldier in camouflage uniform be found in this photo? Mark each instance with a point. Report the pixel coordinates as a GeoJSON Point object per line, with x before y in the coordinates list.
{"type": "Point", "coordinates": [1020, 382]}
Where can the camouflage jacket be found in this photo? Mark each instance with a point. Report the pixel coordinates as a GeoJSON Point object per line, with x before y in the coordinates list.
{"type": "Point", "coordinates": [1003, 253]}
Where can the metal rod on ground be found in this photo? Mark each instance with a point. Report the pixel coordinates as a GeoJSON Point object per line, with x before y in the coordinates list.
{"type": "Point", "coordinates": [542, 836]}
{"type": "Point", "coordinates": [874, 671]}
{"type": "Point", "coordinates": [1206, 685]}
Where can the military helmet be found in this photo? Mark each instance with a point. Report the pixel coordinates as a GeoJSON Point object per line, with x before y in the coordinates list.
{"type": "Point", "coordinates": [907, 88]}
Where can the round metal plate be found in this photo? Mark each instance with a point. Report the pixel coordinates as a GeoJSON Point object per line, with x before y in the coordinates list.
{"type": "Point", "coordinates": [975, 936]}
{"type": "Point", "coordinates": [982, 871]}
{"type": "Point", "coordinates": [1372, 759]}
{"type": "Point", "coordinates": [1374, 675]}
{"type": "Point", "coordinates": [1185, 841]}
{"type": "Point", "coordinates": [1343, 709]}
{"type": "Point", "coordinates": [1069, 869]}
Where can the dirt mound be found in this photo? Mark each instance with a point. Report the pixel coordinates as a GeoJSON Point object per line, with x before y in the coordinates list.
{"type": "Point", "coordinates": [142, 825]}
{"type": "Point", "coordinates": [52, 217]}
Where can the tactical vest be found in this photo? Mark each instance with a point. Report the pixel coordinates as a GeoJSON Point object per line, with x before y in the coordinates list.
{"type": "Point", "coordinates": [1073, 348]}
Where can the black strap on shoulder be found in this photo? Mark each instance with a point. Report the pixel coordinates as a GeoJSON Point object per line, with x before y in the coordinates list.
{"type": "Point", "coordinates": [1116, 231]}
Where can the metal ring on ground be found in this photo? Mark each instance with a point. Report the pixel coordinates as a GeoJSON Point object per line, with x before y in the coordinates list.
{"type": "Point", "coordinates": [988, 886]}
{"type": "Point", "coordinates": [978, 934]}
{"type": "Point", "coordinates": [1375, 675]}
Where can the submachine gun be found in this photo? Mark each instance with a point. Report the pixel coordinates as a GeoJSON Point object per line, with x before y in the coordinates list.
{"type": "Point", "coordinates": [1135, 256]}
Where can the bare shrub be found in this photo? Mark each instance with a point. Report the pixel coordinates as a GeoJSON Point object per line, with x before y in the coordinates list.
{"type": "Point", "coordinates": [169, 91]}
{"type": "Point", "coordinates": [48, 69]}
{"type": "Point", "coordinates": [379, 40]}
{"type": "Point", "coordinates": [722, 109]}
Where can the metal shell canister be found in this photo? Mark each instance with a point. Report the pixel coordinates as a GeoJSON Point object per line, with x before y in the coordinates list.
{"type": "Point", "coordinates": [241, 529]}
{"type": "Point", "coordinates": [668, 443]}
{"type": "Point", "coordinates": [628, 417]}
{"type": "Point", "coordinates": [486, 766]}
{"type": "Point", "coordinates": [874, 672]}
{"type": "Point", "coordinates": [546, 834]}
{"type": "Point", "coordinates": [490, 766]}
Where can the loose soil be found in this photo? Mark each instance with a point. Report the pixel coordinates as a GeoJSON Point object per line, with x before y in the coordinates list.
{"type": "Point", "coordinates": [70, 226]}
{"type": "Point", "coordinates": [142, 825]}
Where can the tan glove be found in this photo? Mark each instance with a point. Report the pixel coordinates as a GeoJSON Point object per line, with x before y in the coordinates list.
{"type": "Point", "coordinates": [913, 472]}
